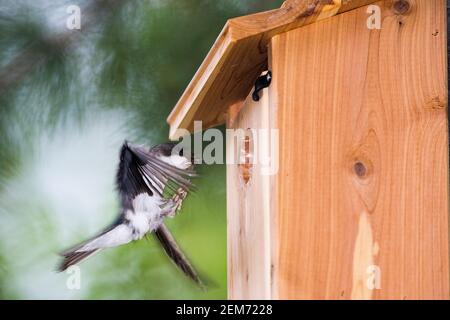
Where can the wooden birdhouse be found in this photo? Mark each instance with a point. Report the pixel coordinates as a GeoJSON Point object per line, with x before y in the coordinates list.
{"type": "Point", "coordinates": [357, 207]}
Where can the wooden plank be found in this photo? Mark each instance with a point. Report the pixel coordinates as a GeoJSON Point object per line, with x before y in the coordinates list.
{"type": "Point", "coordinates": [363, 177]}
{"type": "Point", "coordinates": [237, 58]}
{"type": "Point", "coordinates": [249, 210]}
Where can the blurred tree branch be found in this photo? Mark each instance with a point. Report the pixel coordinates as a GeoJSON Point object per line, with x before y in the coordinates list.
{"type": "Point", "coordinates": [38, 53]}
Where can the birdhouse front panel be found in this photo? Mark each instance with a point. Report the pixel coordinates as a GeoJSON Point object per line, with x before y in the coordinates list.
{"type": "Point", "coordinates": [249, 200]}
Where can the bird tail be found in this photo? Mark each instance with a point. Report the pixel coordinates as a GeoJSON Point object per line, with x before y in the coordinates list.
{"type": "Point", "coordinates": [117, 234]}
{"type": "Point", "coordinates": [73, 257]}
{"type": "Point", "coordinates": [174, 252]}
{"type": "Point", "coordinates": [77, 253]}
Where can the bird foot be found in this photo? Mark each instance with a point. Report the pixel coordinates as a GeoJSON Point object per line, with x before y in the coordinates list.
{"type": "Point", "coordinates": [173, 205]}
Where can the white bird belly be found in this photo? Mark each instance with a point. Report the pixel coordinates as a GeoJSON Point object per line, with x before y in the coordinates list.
{"type": "Point", "coordinates": [142, 222]}
{"type": "Point", "coordinates": [146, 216]}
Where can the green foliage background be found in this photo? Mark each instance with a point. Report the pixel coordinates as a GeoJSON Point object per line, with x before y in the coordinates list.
{"type": "Point", "coordinates": [62, 122]}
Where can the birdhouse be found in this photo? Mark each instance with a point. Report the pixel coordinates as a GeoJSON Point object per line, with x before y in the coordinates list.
{"type": "Point", "coordinates": [352, 96]}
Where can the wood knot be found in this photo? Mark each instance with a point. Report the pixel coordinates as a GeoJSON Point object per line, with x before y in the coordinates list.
{"type": "Point", "coordinates": [308, 12]}
{"type": "Point", "coordinates": [401, 6]}
{"type": "Point", "coordinates": [360, 169]}
{"type": "Point", "coordinates": [436, 103]}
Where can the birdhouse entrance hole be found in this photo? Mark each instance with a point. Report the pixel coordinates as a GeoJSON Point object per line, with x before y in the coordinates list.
{"type": "Point", "coordinates": [246, 157]}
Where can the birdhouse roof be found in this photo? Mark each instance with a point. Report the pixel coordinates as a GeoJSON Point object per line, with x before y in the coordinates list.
{"type": "Point", "coordinates": [239, 55]}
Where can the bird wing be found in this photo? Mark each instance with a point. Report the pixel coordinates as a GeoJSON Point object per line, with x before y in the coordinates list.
{"type": "Point", "coordinates": [144, 171]}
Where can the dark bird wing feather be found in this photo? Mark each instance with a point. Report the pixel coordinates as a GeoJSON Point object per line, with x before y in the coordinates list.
{"type": "Point", "coordinates": [174, 252]}
{"type": "Point", "coordinates": [142, 171]}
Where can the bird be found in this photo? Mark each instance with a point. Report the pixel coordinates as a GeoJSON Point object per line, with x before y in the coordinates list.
{"type": "Point", "coordinates": [152, 184]}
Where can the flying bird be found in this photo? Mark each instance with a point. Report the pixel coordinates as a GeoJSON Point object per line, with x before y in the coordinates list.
{"type": "Point", "coordinates": [152, 184]}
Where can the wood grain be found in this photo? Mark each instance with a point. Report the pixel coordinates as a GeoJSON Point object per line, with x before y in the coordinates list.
{"type": "Point", "coordinates": [249, 210]}
{"type": "Point", "coordinates": [363, 176]}
{"type": "Point", "coordinates": [238, 57]}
